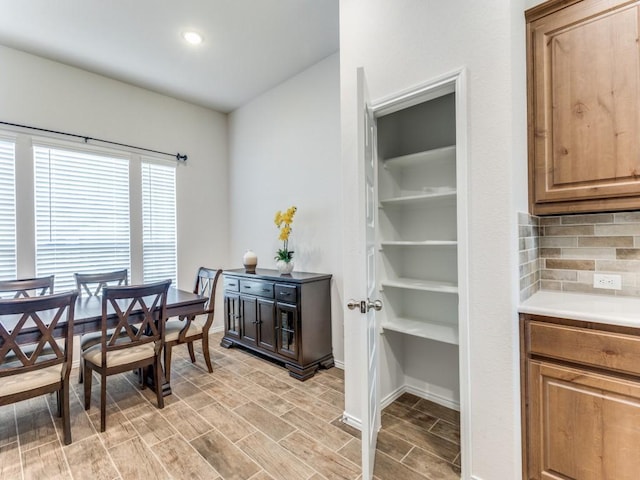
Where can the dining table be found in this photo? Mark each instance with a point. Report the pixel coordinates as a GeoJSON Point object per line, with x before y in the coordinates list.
{"type": "Point", "coordinates": [88, 318]}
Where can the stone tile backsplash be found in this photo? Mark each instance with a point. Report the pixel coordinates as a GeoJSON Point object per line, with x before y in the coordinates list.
{"type": "Point", "coordinates": [571, 248]}
{"type": "Point", "coordinates": [528, 239]}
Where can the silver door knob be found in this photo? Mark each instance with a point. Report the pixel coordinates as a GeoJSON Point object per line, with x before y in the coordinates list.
{"type": "Point", "coordinates": [363, 306]}
{"type": "Point", "coordinates": [376, 305]}
{"type": "Point", "coordinates": [353, 304]}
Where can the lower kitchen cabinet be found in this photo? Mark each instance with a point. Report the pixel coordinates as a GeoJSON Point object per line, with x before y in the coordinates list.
{"type": "Point", "coordinates": [284, 317]}
{"type": "Point", "coordinates": [580, 399]}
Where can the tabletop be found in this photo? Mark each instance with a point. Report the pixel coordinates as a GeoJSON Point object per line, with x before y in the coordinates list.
{"type": "Point", "coordinates": [88, 311]}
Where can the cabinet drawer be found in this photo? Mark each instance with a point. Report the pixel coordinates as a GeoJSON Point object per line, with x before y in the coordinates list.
{"type": "Point", "coordinates": [286, 293]}
{"type": "Point", "coordinates": [261, 289]}
{"type": "Point", "coordinates": [232, 284]}
{"type": "Point", "coordinates": [613, 351]}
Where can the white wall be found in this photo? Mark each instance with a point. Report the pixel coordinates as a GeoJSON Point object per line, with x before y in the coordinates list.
{"type": "Point", "coordinates": [46, 94]}
{"type": "Point", "coordinates": [405, 43]}
{"type": "Point", "coordinates": [284, 149]}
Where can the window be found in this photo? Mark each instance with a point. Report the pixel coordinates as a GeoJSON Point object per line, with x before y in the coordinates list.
{"type": "Point", "coordinates": [159, 222]}
{"type": "Point", "coordinates": [7, 211]}
{"type": "Point", "coordinates": [94, 210]}
{"type": "Point", "coordinates": [82, 214]}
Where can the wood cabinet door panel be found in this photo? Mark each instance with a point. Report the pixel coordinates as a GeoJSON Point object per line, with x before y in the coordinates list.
{"type": "Point", "coordinates": [586, 92]}
{"type": "Point", "coordinates": [249, 316]}
{"type": "Point", "coordinates": [266, 325]}
{"type": "Point", "coordinates": [232, 315]}
{"type": "Point", "coordinates": [287, 330]}
{"type": "Point", "coordinates": [582, 425]}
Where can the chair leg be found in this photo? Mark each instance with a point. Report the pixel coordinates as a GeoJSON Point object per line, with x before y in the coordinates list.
{"type": "Point", "coordinates": [87, 387]}
{"type": "Point", "coordinates": [142, 375]}
{"type": "Point", "coordinates": [192, 353]}
{"type": "Point", "coordinates": [167, 362]}
{"type": "Point", "coordinates": [59, 402]}
{"type": "Point", "coordinates": [158, 380]}
{"type": "Point", "coordinates": [66, 417]}
{"type": "Point", "coordinates": [81, 368]}
{"type": "Point", "coordinates": [103, 402]}
{"type": "Point", "coordinates": [205, 351]}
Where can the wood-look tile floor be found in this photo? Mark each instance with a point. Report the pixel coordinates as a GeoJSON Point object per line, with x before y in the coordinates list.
{"type": "Point", "coordinates": [248, 420]}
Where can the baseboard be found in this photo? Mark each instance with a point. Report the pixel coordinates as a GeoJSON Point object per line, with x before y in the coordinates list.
{"type": "Point", "coordinates": [338, 364]}
{"type": "Point", "coordinates": [440, 400]}
{"type": "Point", "coordinates": [392, 397]}
{"type": "Point", "coordinates": [389, 399]}
{"type": "Point", "coordinates": [435, 398]}
{"type": "Point", "coordinates": [351, 421]}
{"type": "Point", "coordinates": [218, 329]}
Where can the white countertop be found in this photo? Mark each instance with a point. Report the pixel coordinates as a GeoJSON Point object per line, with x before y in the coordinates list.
{"type": "Point", "coordinates": [624, 311]}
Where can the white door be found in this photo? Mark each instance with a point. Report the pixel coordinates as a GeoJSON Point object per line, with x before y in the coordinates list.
{"type": "Point", "coordinates": [367, 307]}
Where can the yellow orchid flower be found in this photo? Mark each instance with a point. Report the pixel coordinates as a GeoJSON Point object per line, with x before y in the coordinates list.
{"type": "Point", "coordinates": [283, 221]}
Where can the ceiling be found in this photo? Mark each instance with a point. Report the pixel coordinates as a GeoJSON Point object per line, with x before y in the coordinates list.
{"type": "Point", "coordinates": [249, 46]}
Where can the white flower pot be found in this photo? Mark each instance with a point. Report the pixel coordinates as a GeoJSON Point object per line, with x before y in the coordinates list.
{"type": "Point", "coordinates": [285, 268]}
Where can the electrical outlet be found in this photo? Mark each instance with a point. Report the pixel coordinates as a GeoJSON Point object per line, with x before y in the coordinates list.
{"type": "Point", "coordinates": [610, 282]}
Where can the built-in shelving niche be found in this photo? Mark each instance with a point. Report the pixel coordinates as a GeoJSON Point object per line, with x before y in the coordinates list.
{"type": "Point", "coordinates": [421, 244]}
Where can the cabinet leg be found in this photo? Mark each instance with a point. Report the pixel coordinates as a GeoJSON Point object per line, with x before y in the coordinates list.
{"type": "Point", "coordinates": [328, 363]}
{"type": "Point", "coordinates": [226, 343]}
{"type": "Point", "coordinates": [301, 373]}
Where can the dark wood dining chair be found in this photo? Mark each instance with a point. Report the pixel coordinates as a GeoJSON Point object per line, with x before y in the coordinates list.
{"type": "Point", "coordinates": [186, 329]}
{"type": "Point", "coordinates": [27, 287]}
{"type": "Point", "coordinates": [144, 306]}
{"type": "Point", "coordinates": [32, 362]}
{"type": "Point", "coordinates": [92, 284]}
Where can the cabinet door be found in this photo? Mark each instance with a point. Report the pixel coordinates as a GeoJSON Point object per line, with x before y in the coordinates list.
{"type": "Point", "coordinates": [582, 425]}
{"type": "Point", "coordinates": [287, 330]}
{"type": "Point", "coordinates": [232, 315]}
{"type": "Point", "coordinates": [249, 318]}
{"type": "Point", "coordinates": [584, 118]}
{"type": "Point", "coordinates": [266, 325]}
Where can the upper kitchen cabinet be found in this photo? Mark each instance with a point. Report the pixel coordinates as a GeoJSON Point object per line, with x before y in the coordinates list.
{"type": "Point", "coordinates": [583, 77]}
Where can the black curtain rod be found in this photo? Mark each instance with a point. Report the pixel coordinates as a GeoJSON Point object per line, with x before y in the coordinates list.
{"type": "Point", "coordinates": [179, 157]}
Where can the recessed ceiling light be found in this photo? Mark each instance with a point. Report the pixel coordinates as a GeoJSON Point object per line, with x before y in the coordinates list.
{"type": "Point", "coordinates": [194, 38]}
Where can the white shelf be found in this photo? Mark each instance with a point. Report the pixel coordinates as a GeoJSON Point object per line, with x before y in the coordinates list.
{"type": "Point", "coordinates": [423, 285]}
{"type": "Point", "coordinates": [449, 194]}
{"type": "Point", "coordinates": [442, 332]}
{"type": "Point", "coordinates": [448, 153]}
{"type": "Point", "coordinates": [422, 243]}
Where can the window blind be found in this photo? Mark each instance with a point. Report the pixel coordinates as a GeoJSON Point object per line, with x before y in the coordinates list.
{"type": "Point", "coordinates": [82, 214]}
{"type": "Point", "coordinates": [159, 222]}
{"type": "Point", "coordinates": [8, 269]}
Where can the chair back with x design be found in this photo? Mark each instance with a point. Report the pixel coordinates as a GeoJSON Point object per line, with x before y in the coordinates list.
{"type": "Point", "coordinates": [141, 312]}
{"type": "Point", "coordinates": [28, 331]}
{"type": "Point", "coordinates": [28, 287]}
{"type": "Point", "coordinates": [93, 283]}
{"type": "Point", "coordinates": [32, 363]}
{"type": "Point", "coordinates": [206, 286]}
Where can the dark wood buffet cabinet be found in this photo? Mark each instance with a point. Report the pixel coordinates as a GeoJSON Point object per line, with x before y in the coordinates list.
{"type": "Point", "coordinates": [284, 317]}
